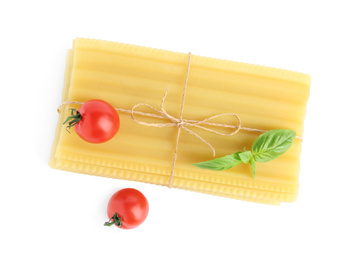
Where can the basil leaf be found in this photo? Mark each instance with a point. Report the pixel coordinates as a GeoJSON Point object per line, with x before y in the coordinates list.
{"type": "Point", "coordinates": [252, 162]}
{"type": "Point", "coordinates": [222, 163]}
{"type": "Point", "coordinates": [245, 156]}
{"type": "Point", "coordinates": [272, 144]}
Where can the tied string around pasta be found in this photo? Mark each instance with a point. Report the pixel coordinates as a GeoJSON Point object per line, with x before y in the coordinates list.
{"type": "Point", "coordinates": [180, 122]}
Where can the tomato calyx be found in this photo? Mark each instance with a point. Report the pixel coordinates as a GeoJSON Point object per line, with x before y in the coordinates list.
{"type": "Point", "coordinates": [73, 119]}
{"type": "Point", "coordinates": [114, 220]}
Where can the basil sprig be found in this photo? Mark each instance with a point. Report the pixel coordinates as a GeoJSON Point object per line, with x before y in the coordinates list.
{"type": "Point", "coordinates": [268, 146]}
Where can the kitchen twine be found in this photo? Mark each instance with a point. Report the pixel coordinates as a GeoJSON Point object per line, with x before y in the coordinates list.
{"type": "Point", "coordinates": [181, 123]}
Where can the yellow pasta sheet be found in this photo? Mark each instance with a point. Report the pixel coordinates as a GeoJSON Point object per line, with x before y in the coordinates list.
{"type": "Point", "coordinates": [125, 75]}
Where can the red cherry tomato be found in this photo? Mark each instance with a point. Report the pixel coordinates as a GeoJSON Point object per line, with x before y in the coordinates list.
{"type": "Point", "coordinates": [95, 122]}
{"type": "Point", "coordinates": [127, 209]}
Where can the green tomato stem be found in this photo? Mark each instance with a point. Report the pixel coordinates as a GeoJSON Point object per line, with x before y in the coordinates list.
{"type": "Point", "coordinates": [73, 119]}
{"type": "Point", "coordinates": [114, 220]}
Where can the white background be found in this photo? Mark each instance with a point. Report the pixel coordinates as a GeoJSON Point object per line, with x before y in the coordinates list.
{"type": "Point", "coordinates": [52, 214]}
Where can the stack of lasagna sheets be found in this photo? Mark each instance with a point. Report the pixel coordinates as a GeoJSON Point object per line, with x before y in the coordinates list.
{"type": "Point", "coordinates": [125, 75]}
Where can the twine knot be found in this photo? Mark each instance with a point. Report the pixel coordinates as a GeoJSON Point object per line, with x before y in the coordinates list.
{"type": "Point", "coordinates": [180, 123]}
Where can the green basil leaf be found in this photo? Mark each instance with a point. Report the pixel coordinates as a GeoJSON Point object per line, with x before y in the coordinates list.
{"type": "Point", "coordinates": [272, 144]}
{"type": "Point", "coordinates": [253, 166]}
{"type": "Point", "coordinates": [245, 156]}
{"type": "Point", "coordinates": [222, 163]}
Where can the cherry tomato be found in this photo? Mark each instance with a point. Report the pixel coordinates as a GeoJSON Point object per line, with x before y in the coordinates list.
{"type": "Point", "coordinates": [95, 122]}
{"type": "Point", "coordinates": [127, 209]}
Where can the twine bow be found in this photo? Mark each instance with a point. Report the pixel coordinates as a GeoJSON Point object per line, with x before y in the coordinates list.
{"type": "Point", "coordinates": [181, 123]}
{"type": "Point", "coordinates": [184, 123]}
